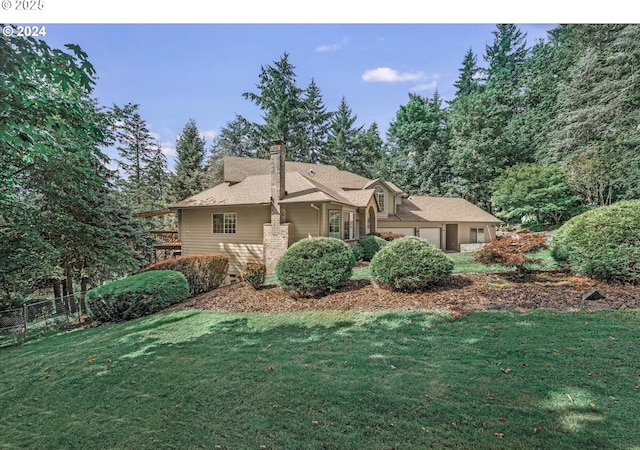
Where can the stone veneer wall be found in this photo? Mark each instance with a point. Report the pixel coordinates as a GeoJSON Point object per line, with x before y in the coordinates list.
{"type": "Point", "coordinates": [276, 239]}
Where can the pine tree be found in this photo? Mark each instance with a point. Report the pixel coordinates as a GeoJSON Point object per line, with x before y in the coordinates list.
{"type": "Point", "coordinates": [470, 75]}
{"type": "Point", "coordinates": [316, 125]}
{"type": "Point", "coordinates": [135, 149]}
{"type": "Point", "coordinates": [342, 148]}
{"type": "Point", "coordinates": [189, 178]}
{"type": "Point", "coordinates": [279, 98]}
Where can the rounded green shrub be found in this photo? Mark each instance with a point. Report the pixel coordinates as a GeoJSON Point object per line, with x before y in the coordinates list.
{"type": "Point", "coordinates": [603, 242]}
{"type": "Point", "coordinates": [370, 245]}
{"type": "Point", "coordinates": [410, 264]}
{"type": "Point", "coordinates": [136, 296]}
{"type": "Point", "coordinates": [313, 267]}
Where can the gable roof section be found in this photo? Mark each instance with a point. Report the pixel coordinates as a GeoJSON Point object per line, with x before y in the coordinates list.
{"type": "Point", "coordinates": [439, 209]}
{"type": "Point", "coordinates": [256, 190]}
{"type": "Point", "coordinates": [236, 169]}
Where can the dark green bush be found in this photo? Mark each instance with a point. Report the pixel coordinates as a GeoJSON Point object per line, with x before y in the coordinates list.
{"type": "Point", "coordinates": [603, 243]}
{"type": "Point", "coordinates": [314, 267]}
{"type": "Point", "coordinates": [370, 245]}
{"type": "Point", "coordinates": [358, 253]}
{"type": "Point", "coordinates": [136, 296]}
{"type": "Point", "coordinates": [203, 272]}
{"type": "Point", "coordinates": [254, 274]}
{"type": "Point", "coordinates": [410, 264]}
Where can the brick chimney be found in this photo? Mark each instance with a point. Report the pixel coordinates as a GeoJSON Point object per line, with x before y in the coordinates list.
{"type": "Point", "coordinates": [278, 155]}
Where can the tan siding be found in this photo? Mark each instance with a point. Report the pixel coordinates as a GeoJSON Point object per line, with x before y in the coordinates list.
{"type": "Point", "coordinates": [305, 219]}
{"type": "Point", "coordinates": [242, 247]}
{"type": "Point", "coordinates": [464, 232]}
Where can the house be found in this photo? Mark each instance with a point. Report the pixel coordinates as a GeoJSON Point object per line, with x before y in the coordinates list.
{"type": "Point", "coordinates": [263, 206]}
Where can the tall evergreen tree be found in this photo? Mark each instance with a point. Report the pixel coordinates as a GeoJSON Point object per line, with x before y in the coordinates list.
{"type": "Point", "coordinates": [316, 125]}
{"type": "Point", "coordinates": [135, 150]}
{"type": "Point", "coordinates": [280, 99]}
{"type": "Point", "coordinates": [189, 178]}
{"type": "Point", "coordinates": [596, 130]}
{"type": "Point", "coordinates": [342, 148]}
{"type": "Point", "coordinates": [468, 81]}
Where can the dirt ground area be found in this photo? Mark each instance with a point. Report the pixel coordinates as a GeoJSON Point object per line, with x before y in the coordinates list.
{"type": "Point", "coordinates": [552, 290]}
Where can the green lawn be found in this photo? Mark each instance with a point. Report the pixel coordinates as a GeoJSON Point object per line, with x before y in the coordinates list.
{"type": "Point", "coordinates": [411, 380]}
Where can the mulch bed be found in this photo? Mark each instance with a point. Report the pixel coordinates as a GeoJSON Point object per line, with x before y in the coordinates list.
{"type": "Point", "coordinates": [553, 290]}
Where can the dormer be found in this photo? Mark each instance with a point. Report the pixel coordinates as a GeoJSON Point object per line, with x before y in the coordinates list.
{"type": "Point", "coordinates": [388, 196]}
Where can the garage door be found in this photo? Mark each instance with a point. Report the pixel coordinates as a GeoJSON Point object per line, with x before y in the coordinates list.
{"type": "Point", "coordinates": [431, 235]}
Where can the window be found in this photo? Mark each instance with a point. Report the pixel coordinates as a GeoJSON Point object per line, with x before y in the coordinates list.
{"type": "Point", "coordinates": [334, 224]}
{"type": "Point", "coordinates": [477, 236]}
{"type": "Point", "coordinates": [349, 226]}
{"type": "Point", "coordinates": [224, 223]}
{"type": "Point", "coordinates": [380, 197]}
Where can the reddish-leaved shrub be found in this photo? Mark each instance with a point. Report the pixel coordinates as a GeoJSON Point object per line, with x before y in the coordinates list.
{"type": "Point", "coordinates": [254, 274]}
{"type": "Point", "coordinates": [511, 251]}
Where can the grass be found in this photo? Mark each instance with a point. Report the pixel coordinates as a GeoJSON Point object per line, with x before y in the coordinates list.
{"type": "Point", "coordinates": [409, 380]}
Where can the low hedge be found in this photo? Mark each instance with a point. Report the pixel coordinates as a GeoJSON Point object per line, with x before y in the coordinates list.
{"type": "Point", "coordinates": [254, 274]}
{"type": "Point", "coordinates": [313, 267]}
{"type": "Point", "coordinates": [603, 242]}
{"type": "Point", "coordinates": [203, 272]}
{"type": "Point", "coordinates": [136, 296]}
{"type": "Point", "coordinates": [410, 264]}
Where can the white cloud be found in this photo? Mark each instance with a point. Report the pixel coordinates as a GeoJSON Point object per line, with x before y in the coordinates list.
{"type": "Point", "coordinates": [425, 86]}
{"type": "Point", "coordinates": [331, 47]}
{"type": "Point", "coordinates": [208, 134]}
{"type": "Point", "coordinates": [388, 75]}
{"type": "Point", "coordinates": [168, 148]}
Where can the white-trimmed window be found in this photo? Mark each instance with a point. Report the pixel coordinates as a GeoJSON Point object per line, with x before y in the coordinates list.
{"type": "Point", "coordinates": [349, 225]}
{"type": "Point", "coordinates": [477, 236]}
{"type": "Point", "coordinates": [335, 217]}
{"type": "Point", "coordinates": [380, 197]}
{"type": "Point", "coordinates": [224, 223]}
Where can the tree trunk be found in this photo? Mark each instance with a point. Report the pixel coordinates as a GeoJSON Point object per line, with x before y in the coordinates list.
{"type": "Point", "coordinates": [57, 293]}
{"type": "Point", "coordinates": [69, 284]}
{"type": "Point", "coordinates": [84, 282]}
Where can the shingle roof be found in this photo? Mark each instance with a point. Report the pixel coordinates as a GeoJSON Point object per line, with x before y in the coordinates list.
{"type": "Point", "coordinates": [256, 190]}
{"type": "Point", "coordinates": [236, 169]}
{"type": "Point", "coordinates": [439, 209]}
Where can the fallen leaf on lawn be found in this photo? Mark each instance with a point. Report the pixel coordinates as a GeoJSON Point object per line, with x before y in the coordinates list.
{"type": "Point", "coordinates": [500, 435]}
{"type": "Point", "coordinates": [392, 366]}
{"type": "Point", "coordinates": [507, 370]}
{"type": "Point", "coordinates": [108, 360]}
{"type": "Point", "coordinates": [586, 323]}
{"type": "Point", "coordinates": [46, 374]}
{"type": "Point", "coordinates": [270, 368]}
{"type": "Point", "coordinates": [593, 405]}
{"type": "Point", "coordinates": [570, 397]}
{"type": "Point", "coordinates": [555, 352]}
{"type": "Point", "coordinates": [314, 422]}
{"type": "Point", "coordinates": [501, 419]}
{"type": "Point", "coordinates": [262, 447]}
{"type": "Point", "coordinates": [454, 425]}
{"type": "Point", "coordinates": [92, 360]}
{"type": "Point", "coordinates": [536, 429]}
{"type": "Point", "coordinates": [524, 366]}
{"type": "Point", "coordinates": [217, 447]}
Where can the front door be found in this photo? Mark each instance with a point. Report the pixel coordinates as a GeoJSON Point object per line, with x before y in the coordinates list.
{"type": "Point", "coordinates": [452, 237]}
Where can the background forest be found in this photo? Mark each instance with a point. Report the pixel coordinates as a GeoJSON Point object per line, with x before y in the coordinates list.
{"type": "Point", "coordinates": [532, 135]}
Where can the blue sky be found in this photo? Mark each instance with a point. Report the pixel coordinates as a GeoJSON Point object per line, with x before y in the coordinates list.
{"type": "Point", "coordinates": [188, 61]}
{"type": "Point", "coordinates": [177, 72]}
